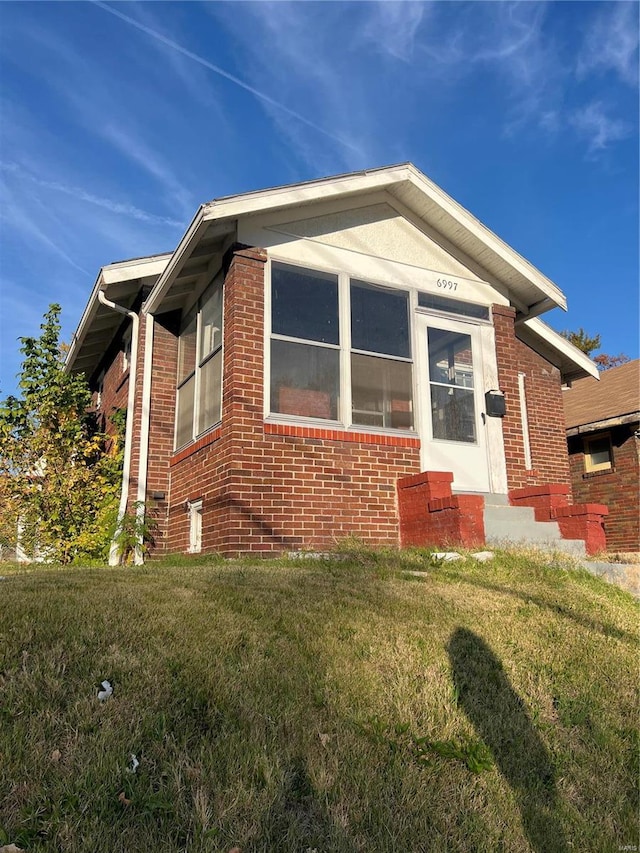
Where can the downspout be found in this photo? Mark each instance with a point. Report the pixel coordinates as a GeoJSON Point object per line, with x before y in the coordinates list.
{"type": "Point", "coordinates": [144, 431]}
{"type": "Point", "coordinates": [114, 554]}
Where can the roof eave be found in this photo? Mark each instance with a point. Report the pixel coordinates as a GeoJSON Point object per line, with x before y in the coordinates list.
{"type": "Point", "coordinates": [232, 208]}
{"type": "Point", "coordinates": [570, 355]}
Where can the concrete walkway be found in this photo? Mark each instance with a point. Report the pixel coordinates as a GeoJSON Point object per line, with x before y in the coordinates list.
{"type": "Point", "coordinates": [624, 575]}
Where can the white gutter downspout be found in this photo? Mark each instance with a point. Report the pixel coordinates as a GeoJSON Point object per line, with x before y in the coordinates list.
{"type": "Point", "coordinates": [144, 431]}
{"type": "Point", "coordinates": [114, 555]}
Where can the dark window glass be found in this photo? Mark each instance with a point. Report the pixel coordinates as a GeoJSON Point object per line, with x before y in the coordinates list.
{"type": "Point", "coordinates": [304, 304]}
{"type": "Point", "coordinates": [453, 306]}
{"type": "Point", "coordinates": [379, 320]}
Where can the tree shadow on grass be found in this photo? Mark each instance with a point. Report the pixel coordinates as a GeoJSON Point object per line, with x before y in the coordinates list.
{"type": "Point", "coordinates": [501, 720]}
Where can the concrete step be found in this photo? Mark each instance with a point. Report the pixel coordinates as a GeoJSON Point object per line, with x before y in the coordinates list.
{"type": "Point", "coordinates": [509, 525]}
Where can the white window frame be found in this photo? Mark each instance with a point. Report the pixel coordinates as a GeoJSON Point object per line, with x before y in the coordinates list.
{"type": "Point", "coordinates": [200, 362]}
{"type": "Point", "coordinates": [345, 419]}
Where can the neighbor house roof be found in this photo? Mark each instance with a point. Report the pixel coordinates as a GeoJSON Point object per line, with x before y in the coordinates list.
{"type": "Point", "coordinates": [615, 399]}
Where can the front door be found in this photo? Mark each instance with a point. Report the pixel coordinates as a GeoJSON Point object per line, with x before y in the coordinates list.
{"type": "Point", "coordinates": [452, 402]}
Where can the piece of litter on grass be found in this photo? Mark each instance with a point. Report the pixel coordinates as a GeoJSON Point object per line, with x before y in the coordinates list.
{"type": "Point", "coordinates": [123, 799]}
{"type": "Point", "coordinates": [324, 738]}
{"type": "Point", "coordinates": [483, 556]}
{"type": "Point", "coordinates": [11, 848]}
{"type": "Point", "coordinates": [56, 755]}
{"type": "Point", "coordinates": [106, 691]}
{"type": "Point", "coordinates": [447, 556]}
{"type": "Point", "coordinates": [134, 764]}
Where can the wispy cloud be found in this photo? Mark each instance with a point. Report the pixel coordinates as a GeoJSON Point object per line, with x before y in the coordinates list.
{"type": "Point", "coordinates": [611, 43]}
{"type": "Point", "coordinates": [216, 69]}
{"type": "Point", "coordinates": [393, 27]}
{"type": "Point", "coordinates": [597, 128]}
{"type": "Point", "coordinates": [14, 216]}
{"type": "Point", "coordinates": [82, 195]}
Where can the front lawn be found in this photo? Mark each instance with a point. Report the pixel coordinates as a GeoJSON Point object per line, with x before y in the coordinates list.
{"type": "Point", "coordinates": [318, 705]}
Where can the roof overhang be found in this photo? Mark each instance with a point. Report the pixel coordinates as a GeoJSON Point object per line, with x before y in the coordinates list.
{"type": "Point", "coordinates": [572, 362]}
{"type": "Point", "coordinates": [215, 223]}
{"type": "Point", "coordinates": [606, 423]}
{"type": "Point", "coordinates": [98, 325]}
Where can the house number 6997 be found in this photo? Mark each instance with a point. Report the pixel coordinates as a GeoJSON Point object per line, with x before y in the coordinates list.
{"type": "Point", "coordinates": [447, 285]}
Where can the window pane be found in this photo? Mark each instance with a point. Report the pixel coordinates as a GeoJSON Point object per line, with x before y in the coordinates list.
{"type": "Point", "coordinates": [304, 304]}
{"type": "Point", "coordinates": [210, 392]}
{"type": "Point", "coordinates": [600, 452]}
{"type": "Point", "coordinates": [453, 414]}
{"type": "Point", "coordinates": [450, 360]}
{"type": "Point", "coordinates": [184, 420]}
{"type": "Point", "coordinates": [187, 348]}
{"type": "Point", "coordinates": [379, 320]}
{"type": "Point", "coordinates": [211, 320]}
{"type": "Point", "coordinates": [305, 380]}
{"type": "Point", "coordinates": [381, 392]}
{"type": "Point", "coordinates": [453, 306]}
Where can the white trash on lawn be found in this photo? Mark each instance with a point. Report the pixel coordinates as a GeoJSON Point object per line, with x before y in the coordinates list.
{"type": "Point", "coordinates": [106, 691]}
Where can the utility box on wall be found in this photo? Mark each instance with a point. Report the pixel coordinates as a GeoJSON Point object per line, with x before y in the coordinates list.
{"type": "Point", "coordinates": [494, 404]}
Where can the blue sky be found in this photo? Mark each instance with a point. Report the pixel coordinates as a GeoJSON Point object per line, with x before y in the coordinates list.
{"type": "Point", "coordinates": [118, 119]}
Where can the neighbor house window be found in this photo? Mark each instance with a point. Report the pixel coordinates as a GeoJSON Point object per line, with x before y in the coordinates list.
{"type": "Point", "coordinates": [199, 380]}
{"type": "Point", "coordinates": [598, 454]}
{"type": "Point", "coordinates": [317, 367]}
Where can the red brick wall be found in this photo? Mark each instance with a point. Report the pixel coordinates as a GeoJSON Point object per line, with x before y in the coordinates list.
{"type": "Point", "coordinates": [271, 488]}
{"type": "Point", "coordinates": [545, 411]}
{"type": "Point", "coordinates": [617, 489]}
{"type": "Point", "coordinates": [115, 388]}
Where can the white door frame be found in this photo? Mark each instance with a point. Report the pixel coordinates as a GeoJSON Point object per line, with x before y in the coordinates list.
{"type": "Point", "coordinates": [441, 455]}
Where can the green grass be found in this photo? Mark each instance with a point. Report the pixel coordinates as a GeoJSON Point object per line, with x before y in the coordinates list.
{"type": "Point", "coordinates": [333, 705]}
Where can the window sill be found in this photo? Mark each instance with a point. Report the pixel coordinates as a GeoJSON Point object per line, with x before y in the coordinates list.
{"type": "Point", "coordinates": [353, 435]}
{"type": "Point", "coordinates": [189, 449]}
{"type": "Point", "coordinates": [589, 475]}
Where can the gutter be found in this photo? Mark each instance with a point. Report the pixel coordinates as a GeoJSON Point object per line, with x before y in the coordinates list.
{"type": "Point", "coordinates": [114, 555]}
{"type": "Point", "coordinates": [144, 432]}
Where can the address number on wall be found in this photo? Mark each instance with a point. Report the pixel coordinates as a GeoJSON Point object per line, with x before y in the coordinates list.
{"type": "Point", "coordinates": [447, 284]}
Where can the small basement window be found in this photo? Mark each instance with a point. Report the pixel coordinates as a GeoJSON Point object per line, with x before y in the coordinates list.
{"type": "Point", "coordinates": [598, 454]}
{"type": "Point", "coordinates": [195, 526]}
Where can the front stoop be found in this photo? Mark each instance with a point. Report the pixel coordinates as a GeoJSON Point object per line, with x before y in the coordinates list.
{"type": "Point", "coordinates": [538, 517]}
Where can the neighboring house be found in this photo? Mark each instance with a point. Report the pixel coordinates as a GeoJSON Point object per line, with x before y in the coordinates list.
{"type": "Point", "coordinates": [306, 347]}
{"type": "Point", "coordinates": [603, 435]}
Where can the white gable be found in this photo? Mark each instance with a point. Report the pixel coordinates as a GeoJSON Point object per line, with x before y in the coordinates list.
{"type": "Point", "coordinates": [373, 241]}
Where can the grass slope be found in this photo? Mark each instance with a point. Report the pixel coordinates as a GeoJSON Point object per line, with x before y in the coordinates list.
{"type": "Point", "coordinates": [328, 706]}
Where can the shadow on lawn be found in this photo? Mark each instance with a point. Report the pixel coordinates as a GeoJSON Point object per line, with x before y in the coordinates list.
{"type": "Point", "coordinates": [501, 720]}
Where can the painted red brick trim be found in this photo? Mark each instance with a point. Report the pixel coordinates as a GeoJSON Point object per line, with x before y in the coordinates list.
{"type": "Point", "coordinates": [341, 435]}
{"type": "Point", "coordinates": [581, 521]}
{"type": "Point", "coordinates": [431, 515]}
{"type": "Point", "coordinates": [204, 441]}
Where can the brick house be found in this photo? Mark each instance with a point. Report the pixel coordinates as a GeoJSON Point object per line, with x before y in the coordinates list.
{"type": "Point", "coordinates": [308, 348]}
{"type": "Point", "coordinates": [603, 436]}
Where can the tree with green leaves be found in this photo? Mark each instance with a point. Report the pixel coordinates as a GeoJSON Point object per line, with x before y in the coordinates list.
{"type": "Point", "coordinates": [59, 476]}
{"type": "Point", "coordinates": [588, 344]}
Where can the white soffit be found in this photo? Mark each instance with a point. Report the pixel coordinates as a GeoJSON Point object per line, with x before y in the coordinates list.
{"type": "Point", "coordinates": [98, 324]}
{"type": "Point", "coordinates": [415, 191]}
